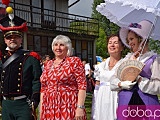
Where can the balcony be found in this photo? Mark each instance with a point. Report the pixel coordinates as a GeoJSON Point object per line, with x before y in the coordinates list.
{"type": "Point", "coordinates": [54, 20]}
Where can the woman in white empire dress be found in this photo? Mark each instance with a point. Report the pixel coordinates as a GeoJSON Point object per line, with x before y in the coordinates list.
{"type": "Point", "coordinates": [106, 102]}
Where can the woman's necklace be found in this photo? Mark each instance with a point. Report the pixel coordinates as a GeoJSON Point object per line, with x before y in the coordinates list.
{"type": "Point", "coordinates": [111, 65]}
{"type": "Point", "coordinates": [57, 64]}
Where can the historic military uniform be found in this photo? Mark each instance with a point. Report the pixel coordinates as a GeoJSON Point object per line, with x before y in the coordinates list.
{"type": "Point", "coordinates": [20, 77]}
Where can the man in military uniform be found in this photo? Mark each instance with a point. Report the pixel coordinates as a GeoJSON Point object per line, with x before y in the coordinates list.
{"type": "Point", "coordinates": [21, 70]}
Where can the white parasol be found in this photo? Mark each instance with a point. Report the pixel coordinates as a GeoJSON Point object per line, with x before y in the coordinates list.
{"type": "Point", "coordinates": [124, 12]}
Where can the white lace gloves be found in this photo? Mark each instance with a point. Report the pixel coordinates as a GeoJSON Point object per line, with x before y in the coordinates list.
{"type": "Point", "coordinates": [127, 84]}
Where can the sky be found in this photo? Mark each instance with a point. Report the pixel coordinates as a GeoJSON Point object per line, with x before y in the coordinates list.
{"type": "Point", "coordinates": [83, 7]}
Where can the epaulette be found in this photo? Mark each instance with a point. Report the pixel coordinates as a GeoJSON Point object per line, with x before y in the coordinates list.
{"type": "Point", "coordinates": [35, 54]}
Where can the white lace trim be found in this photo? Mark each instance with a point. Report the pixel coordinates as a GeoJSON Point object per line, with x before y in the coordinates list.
{"type": "Point", "coordinates": [144, 57]}
{"type": "Point", "coordinates": [152, 6]}
{"type": "Point", "coordinates": [101, 9]}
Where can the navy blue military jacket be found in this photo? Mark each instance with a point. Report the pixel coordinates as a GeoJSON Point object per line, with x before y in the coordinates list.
{"type": "Point", "coordinates": [22, 76]}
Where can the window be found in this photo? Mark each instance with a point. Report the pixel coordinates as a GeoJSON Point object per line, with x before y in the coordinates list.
{"type": "Point", "coordinates": [37, 43]}
{"type": "Point", "coordinates": [78, 47]}
{"type": "Point", "coordinates": [90, 47]}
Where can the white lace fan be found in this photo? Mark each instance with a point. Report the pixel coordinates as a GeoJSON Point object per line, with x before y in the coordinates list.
{"type": "Point", "coordinates": [129, 70]}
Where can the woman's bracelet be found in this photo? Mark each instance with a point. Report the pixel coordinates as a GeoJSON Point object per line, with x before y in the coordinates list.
{"type": "Point", "coordinates": [81, 106]}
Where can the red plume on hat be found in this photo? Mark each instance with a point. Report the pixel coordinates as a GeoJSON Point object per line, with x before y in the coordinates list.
{"type": "Point", "coordinates": [6, 2]}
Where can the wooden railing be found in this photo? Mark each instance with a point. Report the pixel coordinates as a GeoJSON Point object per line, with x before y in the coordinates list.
{"type": "Point", "coordinates": [49, 19]}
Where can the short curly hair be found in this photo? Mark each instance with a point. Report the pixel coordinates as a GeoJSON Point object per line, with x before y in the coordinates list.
{"type": "Point", "coordinates": [66, 41]}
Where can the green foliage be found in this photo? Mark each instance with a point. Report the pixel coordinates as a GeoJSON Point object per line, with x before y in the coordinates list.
{"type": "Point", "coordinates": [89, 26]}
{"type": "Point", "coordinates": [101, 44]}
{"type": "Point", "coordinates": [104, 23]}
{"type": "Point", "coordinates": [78, 27]}
{"type": "Point", "coordinates": [88, 105]}
{"type": "Point", "coordinates": [154, 45]}
{"type": "Point", "coordinates": [125, 51]}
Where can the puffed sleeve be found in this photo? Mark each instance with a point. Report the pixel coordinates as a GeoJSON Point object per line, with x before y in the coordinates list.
{"type": "Point", "coordinates": [152, 86]}
{"type": "Point", "coordinates": [96, 72]}
{"type": "Point", "coordinates": [114, 83]}
{"type": "Point", "coordinates": [114, 79]}
{"type": "Point", "coordinates": [79, 73]}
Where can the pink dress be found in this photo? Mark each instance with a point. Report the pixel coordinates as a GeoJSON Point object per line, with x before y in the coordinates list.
{"type": "Point", "coordinates": [60, 86]}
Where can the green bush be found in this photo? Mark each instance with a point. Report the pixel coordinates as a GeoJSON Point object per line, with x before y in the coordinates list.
{"type": "Point", "coordinates": [88, 105]}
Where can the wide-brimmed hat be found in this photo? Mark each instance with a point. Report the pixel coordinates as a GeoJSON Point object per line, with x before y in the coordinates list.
{"type": "Point", "coordinates": [142, 29]}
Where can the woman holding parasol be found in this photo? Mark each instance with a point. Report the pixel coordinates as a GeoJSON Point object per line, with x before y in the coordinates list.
{"type": "Point", "coordinates": [144, 90]}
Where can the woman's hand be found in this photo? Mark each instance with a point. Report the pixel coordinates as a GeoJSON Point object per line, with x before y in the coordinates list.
{"type": "Point", "coordinates": [135, 55]}
{"type": "Point", "coordinates": [80, 114]}
{"type": "Point", "coordinates": [126, 84]}
{"type": "Point", "coordinates": [139, 79]}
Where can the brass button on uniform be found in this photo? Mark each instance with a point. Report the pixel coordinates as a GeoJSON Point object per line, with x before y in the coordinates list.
{"type": "Point", "coordinates": [18, 90]}
{"type": "Point", "coordinates": [20, 63]}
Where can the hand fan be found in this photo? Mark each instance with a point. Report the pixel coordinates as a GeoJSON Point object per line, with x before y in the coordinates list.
{"type": "Point", "coordinates": [129, 70]}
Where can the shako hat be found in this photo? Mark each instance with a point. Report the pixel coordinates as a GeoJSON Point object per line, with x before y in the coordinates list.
{"type": "Point", "coordinates": [12, 24]}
